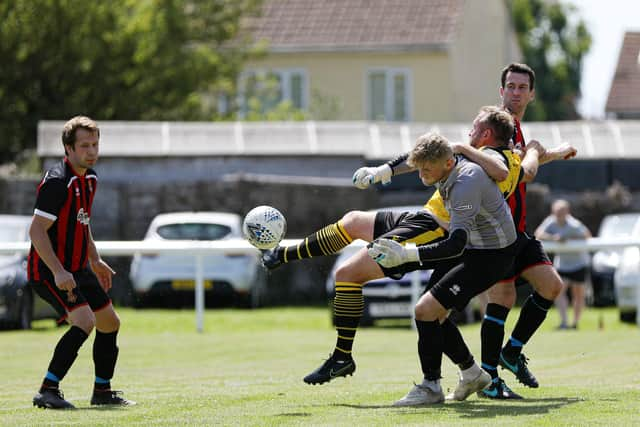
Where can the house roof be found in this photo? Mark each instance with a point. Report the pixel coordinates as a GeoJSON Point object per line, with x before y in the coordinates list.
{"type": "Point", "coordinates": [334, 25]}
{"type": "Point", "coordinates": [624, 95]}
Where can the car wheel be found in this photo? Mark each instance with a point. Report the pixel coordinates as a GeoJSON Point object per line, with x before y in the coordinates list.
{"type": "Point", "coordinates": [25, 310]}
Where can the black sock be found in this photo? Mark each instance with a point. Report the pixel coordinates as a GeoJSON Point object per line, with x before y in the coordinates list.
{"type": "Point", "coordinates": [533, 313]}
{"type": "Point", "coordinates": [430, 345]}
{"type": "Point", "coordinates": [348, 305]}
{"type": "Point", "coordinates": [454, 346]}
{"type": "Point", "coordinates": [492, 334]}
{"type": "Point", "coordinates": [64, 355]}
{"type": "Point", "coordinates": [105, 355]}
{"type": "Point", "coordinates": [326, 241]}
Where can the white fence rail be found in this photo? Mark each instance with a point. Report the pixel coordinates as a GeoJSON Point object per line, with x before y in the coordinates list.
{"type": "Point", "coordinates": [200, 248]}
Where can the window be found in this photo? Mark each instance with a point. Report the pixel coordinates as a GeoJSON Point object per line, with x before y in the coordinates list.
{"type": "Point", "coordinates": [388, 94]}
{"type": "Point", "coordinates": [270, 88]}
{"type": "Point", "coordinates": [193, 231]}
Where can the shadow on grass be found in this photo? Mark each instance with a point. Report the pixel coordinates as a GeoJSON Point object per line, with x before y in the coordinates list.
{"type": "Point", "coordinates": [484, 408]}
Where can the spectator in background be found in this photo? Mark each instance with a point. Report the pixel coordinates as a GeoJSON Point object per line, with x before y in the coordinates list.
{"type": "Point", "coordinates": [560, 226]}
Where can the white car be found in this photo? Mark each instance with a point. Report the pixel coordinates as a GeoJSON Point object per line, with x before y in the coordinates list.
{"type": "Point", "coordinates": [169, 280]}
{"type": "Point", "coordinates": [626, 278]}
{"type": "Point", "coordinates": [605, 263]}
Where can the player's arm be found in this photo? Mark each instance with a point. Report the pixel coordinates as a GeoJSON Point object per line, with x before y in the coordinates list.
{"type": "Point", "coordinates": [103, 271]}
{"type": "Point", "coordinates": [492, 165]}
{"type": "Point", "coordinates": [563, 151]}
{"type": "Point", "coordinates": [465, 201]}
{"type": "Point", "coordinates": [365, 176]}
{"type": "Point", "coordinates": [531, 161]}
{"type": "Point", "coordinates": [42, 244]}
{"type": "Point", "coordinates": [543, 231]}
{"type": "Point", "coordinates": [52, 194]}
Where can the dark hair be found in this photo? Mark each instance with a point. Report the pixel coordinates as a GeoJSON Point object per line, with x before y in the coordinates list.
{"type": "Point", "coordinates": [75, 123]}
{"type": "Point", "coordinates": [498, 120]}
{"type": "Point", "coordinates": [516, 67]}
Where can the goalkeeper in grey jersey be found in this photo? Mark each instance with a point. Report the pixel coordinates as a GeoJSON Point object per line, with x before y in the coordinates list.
{"type": "Point", "coordinates": [481, 233]}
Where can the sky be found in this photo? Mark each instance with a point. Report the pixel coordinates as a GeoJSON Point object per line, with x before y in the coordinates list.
{"type": "Point", "coordinates": [607, 21]}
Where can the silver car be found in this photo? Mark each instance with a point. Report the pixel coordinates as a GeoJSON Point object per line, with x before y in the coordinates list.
{"type": "Point", "coordinates": [19, 305]}
{"type": "Point", "coordinates": [169, 280]}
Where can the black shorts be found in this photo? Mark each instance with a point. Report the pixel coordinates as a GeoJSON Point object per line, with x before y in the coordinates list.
{"type": "Point", "coordinates": [476, 271]}
{"type": "Point", "coordinates": [579, 275]}
{"type": "Point", "coordinates": [529, 253]}
{"type": "Point", "coordinates": [411, 227]}
{"type": "Point", "coordinates": [87, 292]}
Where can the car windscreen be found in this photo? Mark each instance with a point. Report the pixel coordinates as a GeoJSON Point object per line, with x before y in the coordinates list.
{"type": "Point", "coordinates": [618, 226]}
{"type": "Point", "coordinates": [193, 231]}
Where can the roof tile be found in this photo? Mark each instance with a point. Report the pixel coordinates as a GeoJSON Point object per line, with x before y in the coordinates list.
{"type": "Point", "coordinates": [624, 95]}
{"type": "Point", "coordinates": [353, 23]}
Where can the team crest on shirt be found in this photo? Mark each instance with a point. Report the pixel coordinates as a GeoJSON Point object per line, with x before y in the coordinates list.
{"type": "Point", "coordinates": [83, 217]}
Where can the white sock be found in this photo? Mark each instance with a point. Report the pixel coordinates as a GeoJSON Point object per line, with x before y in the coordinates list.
{"type": "Point", "coordinates": [471, 373]}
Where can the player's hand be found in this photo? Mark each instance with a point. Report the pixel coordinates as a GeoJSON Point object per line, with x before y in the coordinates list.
{"type": "Point", "coordinates": [65, 282]}
{"type": "Point", "coordinates": [389, 253]}
{"type": "Point", "coordinates": [103, 272]}
{"type": "Point", "coordinates": [535, 145]}
{"type": "Point", "coordinates": [364, 177]}
{"type": "Point", "coordinates": [563, 151]}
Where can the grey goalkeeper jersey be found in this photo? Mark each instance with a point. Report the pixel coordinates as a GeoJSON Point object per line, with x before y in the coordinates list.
{"type": "Point", "coordinates": [476, 205]}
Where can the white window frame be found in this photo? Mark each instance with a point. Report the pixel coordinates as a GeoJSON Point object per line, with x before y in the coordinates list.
{"type": "Point", "coordinates": [285, 75]}
{"type": "Point", "coordinates": [389, 74]}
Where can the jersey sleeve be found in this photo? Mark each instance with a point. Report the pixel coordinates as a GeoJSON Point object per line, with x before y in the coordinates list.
{"type": "Point", "coordinates": [51, 196]}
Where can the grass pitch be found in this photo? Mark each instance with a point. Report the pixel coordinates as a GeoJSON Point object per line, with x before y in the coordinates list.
{"type": "Point", "coordinates": [247, 368]}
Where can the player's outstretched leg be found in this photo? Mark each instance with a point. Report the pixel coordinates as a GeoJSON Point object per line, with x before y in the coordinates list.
{"type": "Point", "coordinates": [326, 241]}
{"type": "Point", "coordinates": [348, 306]}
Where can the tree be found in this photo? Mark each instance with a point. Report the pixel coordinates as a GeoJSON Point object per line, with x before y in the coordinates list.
{"type": "Point", "coordinates": [115, 60]}
{"type": "Point", "coordinates": [553, 43]}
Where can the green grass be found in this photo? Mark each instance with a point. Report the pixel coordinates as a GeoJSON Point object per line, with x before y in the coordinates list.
{"type": "Point", "coordinates": [247, 368]}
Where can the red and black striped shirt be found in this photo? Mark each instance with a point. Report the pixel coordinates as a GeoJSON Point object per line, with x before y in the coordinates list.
{"type": "Point", "coordinates": [65, 198]}
{"type": "Point", "coordinates": [518, 200]}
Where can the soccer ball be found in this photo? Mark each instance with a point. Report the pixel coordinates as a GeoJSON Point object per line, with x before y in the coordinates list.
{"type": "Point", "coordinates": [264, 227]}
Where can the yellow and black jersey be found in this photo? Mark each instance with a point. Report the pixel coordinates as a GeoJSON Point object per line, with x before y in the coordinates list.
{"type": "Point", "coordinates": [513, 161]}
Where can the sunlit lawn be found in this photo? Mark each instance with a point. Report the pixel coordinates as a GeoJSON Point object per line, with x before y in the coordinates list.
{"type": "Point", "coordinates": [246, 368]}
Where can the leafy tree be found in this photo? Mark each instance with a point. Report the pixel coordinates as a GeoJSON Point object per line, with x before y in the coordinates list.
{"type": "Point", "coordinates": [115, 60]}
{"type": "Point", "coordinates": [553, 43]}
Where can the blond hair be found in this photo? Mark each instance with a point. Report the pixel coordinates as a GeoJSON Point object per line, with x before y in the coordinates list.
{"type": "Point", "coordinates": [430, 147]}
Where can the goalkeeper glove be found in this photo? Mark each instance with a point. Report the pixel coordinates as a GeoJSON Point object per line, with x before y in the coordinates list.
{"type": "Point", "coordinates": [365, 176]}
{"type": "Point", "coordinates": [389, 253]}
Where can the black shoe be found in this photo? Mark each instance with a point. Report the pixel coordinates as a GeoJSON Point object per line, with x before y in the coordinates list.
{"type": "Point", "coordinates": [498, 390]}
{"type": "Point", "coordinates": [51, 398]}
{"type": "Point", "coordinates": [331, 369]}
{"type": "Point", "coordinates": [519, 367]}
{"type": "Point", "coordinates": [270, 259]}
{"type": "Point", "coordinates": [110, 397]}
